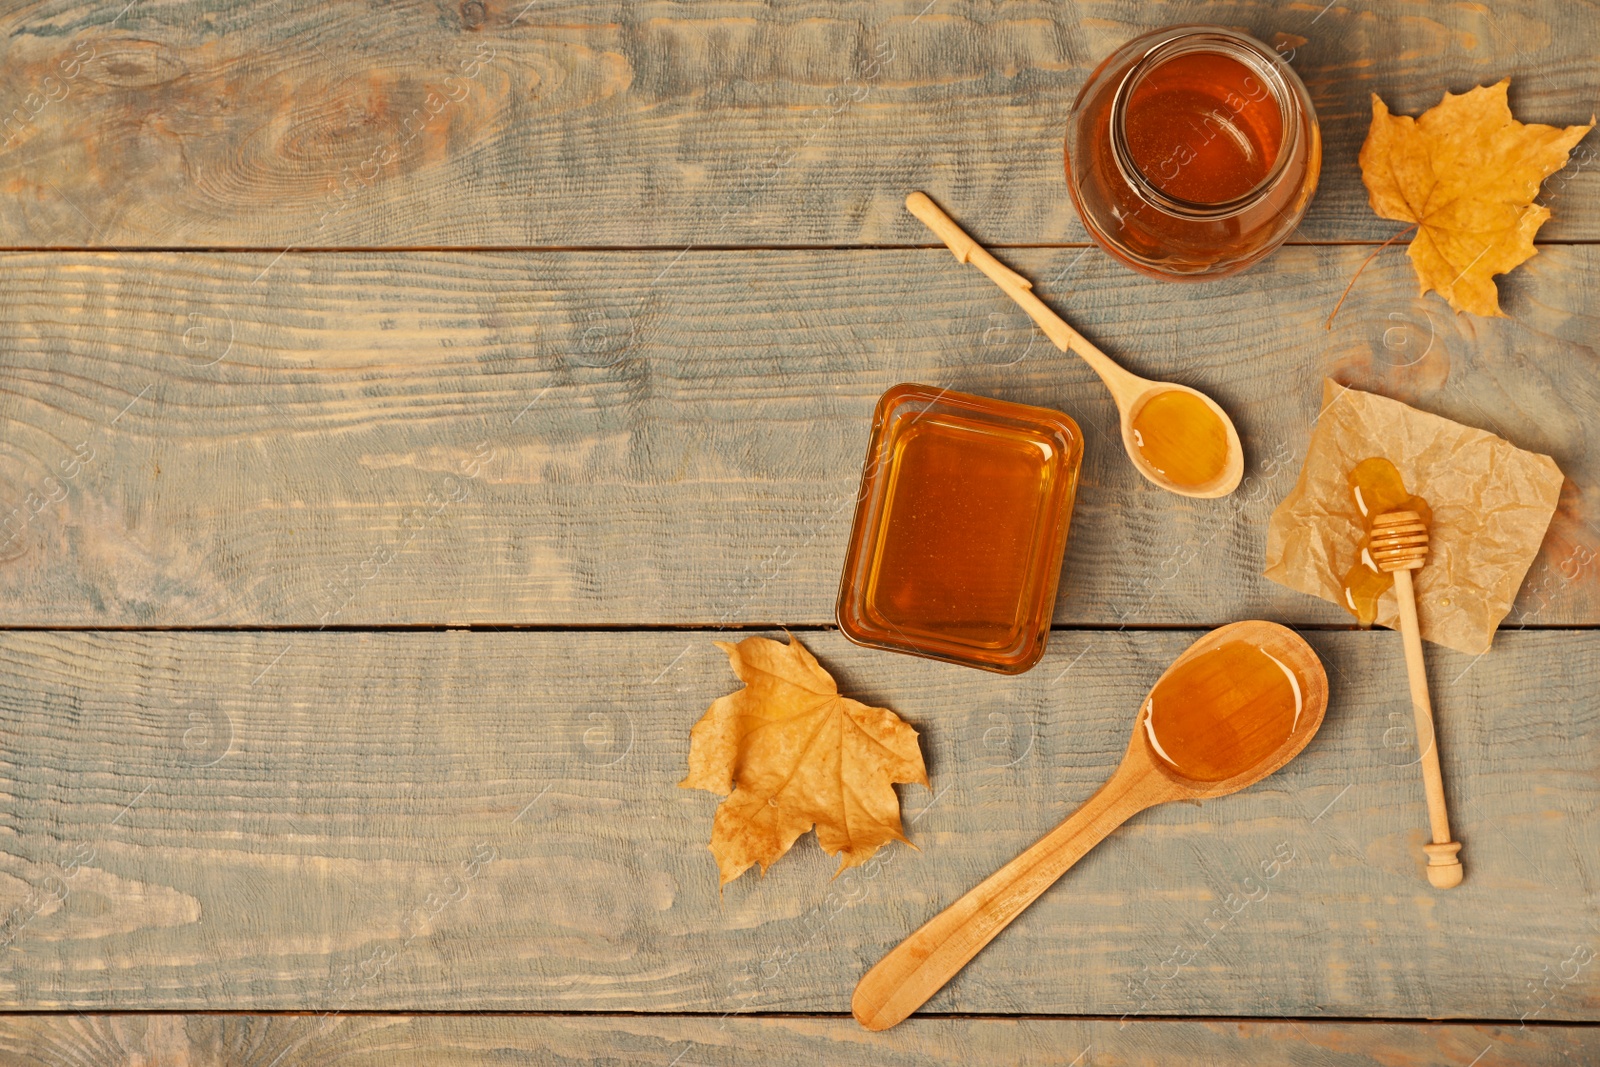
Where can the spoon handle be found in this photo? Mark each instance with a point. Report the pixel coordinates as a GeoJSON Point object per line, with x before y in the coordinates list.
{"type": "Point", "coordinates": [921, 964]}
{"type": "Point", "coordinates": [1121, 383]}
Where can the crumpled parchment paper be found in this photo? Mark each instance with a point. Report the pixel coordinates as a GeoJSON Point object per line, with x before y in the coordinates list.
{"type": "Point", "coordinates": [1491, 502]}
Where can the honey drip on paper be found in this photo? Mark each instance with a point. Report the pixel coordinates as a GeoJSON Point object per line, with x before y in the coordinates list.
{"type": "Point", "coordinates": [1223, 712]}
{"type": "Point", "coordinates": [1377, 488]}
{"type": "Point", "coordinates": [1181, 437]}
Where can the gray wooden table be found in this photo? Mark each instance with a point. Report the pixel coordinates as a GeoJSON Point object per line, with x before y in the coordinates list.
{"type": "Point", "coordinates": [396, 400]}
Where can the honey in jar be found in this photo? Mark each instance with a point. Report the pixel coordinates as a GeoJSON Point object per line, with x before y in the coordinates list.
{"type": "Point", "coordinates": [1376, 488]}
{"type": "Point", "coordinates": [1223, 712]}
{"type": "Point", "coordinates": [960, 528]}
{"type": "Point", "coordinates": [1181, 438]}
{"type": "Point", "coordinates": [1192, 152]}
{"type": "Point", "coordinates": [1203, 127]}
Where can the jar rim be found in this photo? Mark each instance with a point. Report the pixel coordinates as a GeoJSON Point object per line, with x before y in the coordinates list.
{"type": "Point", "coordinates": [1237, 46]}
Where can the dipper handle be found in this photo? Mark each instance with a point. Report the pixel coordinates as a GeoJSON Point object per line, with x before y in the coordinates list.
{"type": "Point", "coordinates": [1399, 544]}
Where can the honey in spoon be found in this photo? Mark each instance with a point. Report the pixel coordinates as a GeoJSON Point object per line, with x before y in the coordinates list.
{"type": "Point", "coordinates": [1377, 488]}
{"type": "Point", "coordinates": [1223, 712]}
{"type": "Point", "coordinates": [1181, 438]}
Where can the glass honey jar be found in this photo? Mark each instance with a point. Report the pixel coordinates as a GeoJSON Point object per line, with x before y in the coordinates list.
{"type": "Point", "coordinates": [1192, 152]}
{"type": "Point", "coordinates": [960, 528]}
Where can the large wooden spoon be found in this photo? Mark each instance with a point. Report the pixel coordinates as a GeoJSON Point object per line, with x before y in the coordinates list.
{"type": "Point", "coordinates": [1131, 392]}
{"type": "Point", "coordinates": [904, 979]}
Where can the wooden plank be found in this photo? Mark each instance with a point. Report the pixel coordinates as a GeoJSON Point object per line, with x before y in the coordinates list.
{"type": "Point", "coordinates": [186, 440]}
{"type": "Point", "coordinates": [446, 820]}
{"type": "Point", "coordinates": [457, 1041]}
{"type": "Point", "coordinates": [492, 123]}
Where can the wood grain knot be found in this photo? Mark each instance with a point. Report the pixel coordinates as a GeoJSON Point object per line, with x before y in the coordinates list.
{"type": "Point", "coordinates": [127, 63]}
{"type": "Point", "coordinates": [1399, 541]}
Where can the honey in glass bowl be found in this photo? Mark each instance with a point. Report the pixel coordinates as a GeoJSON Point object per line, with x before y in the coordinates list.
{"type": "Point", "coordinates": [960, 528]}
{"type": "Point", "coordinates": [1192, 152]}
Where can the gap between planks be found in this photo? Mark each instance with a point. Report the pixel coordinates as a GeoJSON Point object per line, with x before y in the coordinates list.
{"type": "Point", "coordinates": [608, 1013]}
{"type": "Point", "coordinates": [554, 249]}
{"type": "Point", "coordinates": [675, 627]}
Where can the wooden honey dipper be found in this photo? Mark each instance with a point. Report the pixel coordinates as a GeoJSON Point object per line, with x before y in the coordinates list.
{"type": "Point", "coordinates": [1399, 545]}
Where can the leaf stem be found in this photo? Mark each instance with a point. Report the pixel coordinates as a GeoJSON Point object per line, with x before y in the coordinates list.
{"type": "Point", "coordinates": [1363, 267]}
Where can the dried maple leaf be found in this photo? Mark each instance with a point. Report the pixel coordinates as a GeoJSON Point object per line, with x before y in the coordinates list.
{"type": "Point", "coordinates": [1466, 173]}
{"type": "Point", "coordinates": [794, 753]}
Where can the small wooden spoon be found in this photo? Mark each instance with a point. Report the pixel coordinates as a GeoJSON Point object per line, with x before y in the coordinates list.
{"type": "Point", "coordinates": [1399, 545]}
{"type": "Point", "coordinates": [904, 979]}
{"type": "Point", "coordinates": [1130, 391]}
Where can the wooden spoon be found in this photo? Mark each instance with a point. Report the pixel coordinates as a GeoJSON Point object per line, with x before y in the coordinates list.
{"type": "Point", "coordinates": [904, 979]}
{"type": "Point", "coordinates": [1399, 545]}
{"type": "Point", "coordinates": [1130, 391]}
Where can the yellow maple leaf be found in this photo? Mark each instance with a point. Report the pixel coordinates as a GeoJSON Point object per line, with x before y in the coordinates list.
{"type": "Point", "coordinates": [794, 753]}
{"type": "Point", "coordinates": [1466, 173]}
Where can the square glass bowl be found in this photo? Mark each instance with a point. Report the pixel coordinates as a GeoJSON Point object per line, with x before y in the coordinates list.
{"type": "Point", "coordinates": [960, 527]}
